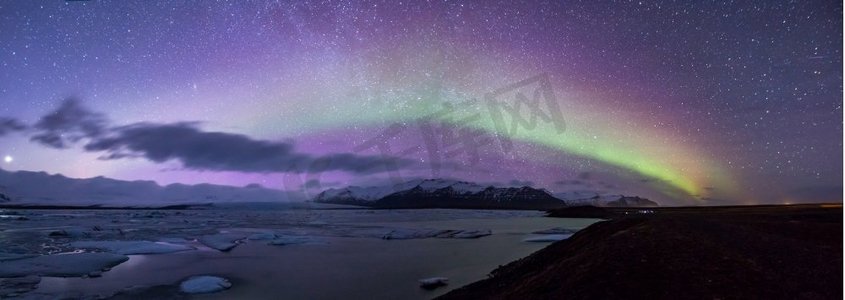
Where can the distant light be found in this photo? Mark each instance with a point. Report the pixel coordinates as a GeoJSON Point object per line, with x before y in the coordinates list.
{"type": "Point", "coordinates": [8, 159]}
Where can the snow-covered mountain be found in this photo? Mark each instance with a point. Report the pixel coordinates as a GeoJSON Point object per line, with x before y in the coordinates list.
{"type": "Point", "coordinates": [40, 188]}
{"type": "Point", "coordinates": [603, 200]}
{"type": "Point", "coordinates": [357, 195]}
{"type": "Point", "coordinates": [442, 193]}
{"type": "Point", "coordinates": [626, 201]}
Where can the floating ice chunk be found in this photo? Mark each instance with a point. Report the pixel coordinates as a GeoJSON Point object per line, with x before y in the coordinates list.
{"type": "Point", "coordinates": [150, 214]}
{"type": "Point", "coordinates": [173, 240]}
{"type": "Point", "coordinates": [69, 233]}
{"type": "Point", "coordinates": [223, 242]}
{"type": "Point", "coordinates": [405, 234]}
{"type": "Point", "coordinates": [204, 284]}
{"type": "Point", "coordinates": [13, 256]}
{"type": "Point", "coordinates": [547, 238]}
{"type": "Point", "coordinates": [263, 236]}
{"type": "Point", "coordinates": [61, 265]}
{"type": "Point", "coordinates": [291, 240]}
{"type": "Point", "coordinates": [9, 287]}
{"type": "Point", "coordinates": [433, 282]}
{"type": "Point", "coordinates": [556, 230]}
{"type": "Point", "coordinates": [472, 234]}
{"type": "Point", "coordinates": [132, 247]}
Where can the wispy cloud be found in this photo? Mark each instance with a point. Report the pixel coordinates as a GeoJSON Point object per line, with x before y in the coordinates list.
{"type": "Point", "coordinates": [68, 124]}
{"type": "Point", "coordinates": [9, 125]}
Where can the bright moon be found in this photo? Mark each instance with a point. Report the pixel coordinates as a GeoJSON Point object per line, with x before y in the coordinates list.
{"type": "Point", "coordinates": [7, 159]}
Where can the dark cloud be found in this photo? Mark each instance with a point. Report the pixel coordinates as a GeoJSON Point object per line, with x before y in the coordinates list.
{"type": "Point", "coordinates": [8, 125]}
{"type": "Point", "coordinates": [68, 124]}
{"type": "Point", "coordinates": [218, 151]}
{"type": "Point", "coordinates": [184, 142]}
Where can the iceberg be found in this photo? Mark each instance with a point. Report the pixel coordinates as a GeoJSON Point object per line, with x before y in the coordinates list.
{"type": "Point", "coordinates": [204, 284]}
{"type": "Point", "coordinates": [433, 282]}
{"type": "Point", "coordinates": [61, 265]}
{"type": "Point", "coordinates": [406, 234]}
{"type": "Point", "coordinates": [292, 240]}
{"type": "Point", "coordinates": [223, 241]}
{"type": "Point", "coordinates": [13, 256]}
{"type": "Point", "coordinates": [472, 234]}
{"type": "Point", "coordinates": [132, 247]}
{"type": "Point", "coordinates": [547, 238]}
{"type": "Point", "coordinates": [11, 287]}
{"type": "Point", "coordinates": [263, 236]}
{"type": "Point", "coordinates": [556, 230]}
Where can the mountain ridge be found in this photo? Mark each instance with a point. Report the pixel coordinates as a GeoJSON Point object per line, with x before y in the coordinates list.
{"type": "Point", "coordinates": [41, 188]}
{"type": "Point", "coordinates": [444, 193]}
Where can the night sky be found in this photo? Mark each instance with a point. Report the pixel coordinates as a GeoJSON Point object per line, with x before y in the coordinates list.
{"type": "Point", "coordinates": [689, 102]}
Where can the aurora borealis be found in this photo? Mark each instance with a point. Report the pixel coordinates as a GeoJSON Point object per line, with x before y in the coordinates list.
{"type": "Point", "coordinates": [684, 103]}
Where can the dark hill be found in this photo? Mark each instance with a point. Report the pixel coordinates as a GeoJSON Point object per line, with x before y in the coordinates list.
{"type": "Point", "coordinates": [691, 253]}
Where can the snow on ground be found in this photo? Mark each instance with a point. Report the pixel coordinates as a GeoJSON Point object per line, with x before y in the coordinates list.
{"type": "Point", "coordinates": [132, 247]}
{"type": "Point", "coordinates": [204, 284]}
{"type": "Point", "coordinates": [61, 265]}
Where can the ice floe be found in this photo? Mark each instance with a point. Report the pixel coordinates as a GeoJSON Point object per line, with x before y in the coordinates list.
{"type": "Point", "coordinates": [433, 282]}
{"type": "Point", "coordinates": [61, 265]}
{"type": "Point", "coordinates": [292, 240]}
{"type": "Point", "coordinates": [547, 238]}
{"type": "Point", "coordinates": [132, 247]}
{"type": "Point", "coordinates": [69, 233]}
{"type": "Point", "coordinates": [13, 256]}
{"type": "Point", "coordinates": [223, 241]}
{"type": "Point", "coordinates": [11, 287]}
{"type": "Point", "coordinates": [405, 234]}
{"type": "Point", "coordinates": [204, 284]}
{"type": "Point", "coordinates": [556, 230]}
{"type": "Point", "coordinates": [262, 236]}
{"type": "Point", "coordinates": [471, 234]}
{"type": "Point", "coordinates": [14, 217]}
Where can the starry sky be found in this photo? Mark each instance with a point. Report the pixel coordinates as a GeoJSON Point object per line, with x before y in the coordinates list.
{"type": "Point", "coordinates": [683, 102]}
